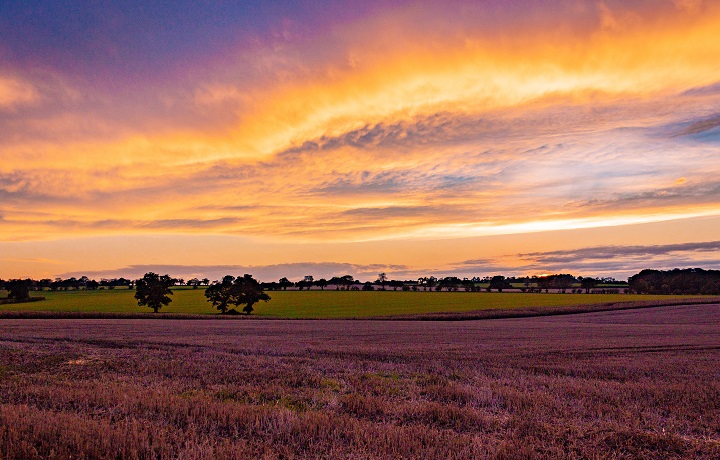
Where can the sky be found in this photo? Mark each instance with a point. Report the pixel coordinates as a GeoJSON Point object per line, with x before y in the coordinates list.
{"type": "Point", "coordinates": [323, 138]}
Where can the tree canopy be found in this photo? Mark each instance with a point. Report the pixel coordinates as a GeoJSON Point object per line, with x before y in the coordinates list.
{"type": "Point", "coordinates": [18, 290]}
{"type": "Point", "coordinates": [499, 282]}
{"type": "Point", "coordinates": [153, 290]}
{"type": "Point", "coordinates": [686, 281]}
{"type": "Point", "coordinates": [243, 290]}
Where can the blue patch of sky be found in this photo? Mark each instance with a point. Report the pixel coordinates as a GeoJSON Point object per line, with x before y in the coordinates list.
{"type": "Point", "coordinates": [129, 36]}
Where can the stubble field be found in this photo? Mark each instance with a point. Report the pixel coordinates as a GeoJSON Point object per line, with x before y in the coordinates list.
{"type": "Point", "coordinates": [624, 384]}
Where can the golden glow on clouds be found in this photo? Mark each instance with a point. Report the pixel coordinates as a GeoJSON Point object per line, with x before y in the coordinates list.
{"type": "Point", "coordinates": [469, 230]}
{"type": "Point", "coordinates": [386, 130]}
{"type": "Point", "coordinates": [397, 83]}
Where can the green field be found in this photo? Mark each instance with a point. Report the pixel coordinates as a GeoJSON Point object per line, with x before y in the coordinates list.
{"type": "Point", "coordinates": [323, 304]}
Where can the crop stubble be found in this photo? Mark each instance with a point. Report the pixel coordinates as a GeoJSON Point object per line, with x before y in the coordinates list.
{"type": "Point", "coordinates": [624, 384]}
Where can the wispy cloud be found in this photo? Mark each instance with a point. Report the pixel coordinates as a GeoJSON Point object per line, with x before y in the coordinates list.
{"type": "Point", "coordinates": [15, 92]}
{"type": "Point", "coordinates": [609, 252]}
{"type": "Point", "coordinates": [621, 261]}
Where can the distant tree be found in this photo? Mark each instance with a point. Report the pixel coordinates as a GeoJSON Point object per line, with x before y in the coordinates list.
{"type": "Point", "coordinates": [153, 290]}
{"type": "Point", "coordinates": [450, 282]}
{"type": "Point", "coordinates": [588, 284]}
{"type": "Point", "coordinates": [690, 281]}
{"type": "Point", "coordinates": [543, 282]}
{"type": "Point", "coordinates": [194, 283]}
{"type": "Point", "coordinates": [367, 286]}
{"type": "Point", "coordinates": [219, 294]}
{"type": "Point", "coordinates": [321, 283]}
{"type": "Point", "coordinates": [468, 284]}
{"type": "Point", "coordinates": [285, 283]}
{"type": "Point", "coordinates": [271, 286]}
{"type": "Point", "coordinates": [44, 283]}
{"type": "Point", "coordinates": [306, 282]}
{"type": "Point", "coordinates": [429, 282]}
{"type": "Point", "coordinates": [382, 278]}
{"type": "Point", "coordinates": [526, 284]}
{"type": "Point", "coordinates": [249, 293]}
{"type": "Point", "coordinates": [206, 282]}
{"type": "Point", "coordinates": [243, 290]}
{"type": "Point", "coordinates": [499, 282]}
{"type": "Point", "coordinates": [395, 284]}
{"type": "Point", "coordinates": [345, 280]}
{"type": "Point", "coordinates": [18, 289]}
{"type": "Point", "coordinates": [561, 282]}
{"type": "Point", "coordinates": [92, 285]}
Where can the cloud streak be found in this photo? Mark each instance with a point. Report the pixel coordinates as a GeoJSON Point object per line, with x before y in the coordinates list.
{"type": "Point", "coordinates": [620, 261]}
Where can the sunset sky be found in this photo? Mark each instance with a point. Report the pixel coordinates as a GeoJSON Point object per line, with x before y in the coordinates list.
{"type": "Point", "coordinates": [318, 138]}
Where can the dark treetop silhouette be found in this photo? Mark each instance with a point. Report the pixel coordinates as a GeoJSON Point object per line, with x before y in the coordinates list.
{"type": "Point", "coordinates": [238, 291]}
{"type": "Point", "coordinates": [153, 290]}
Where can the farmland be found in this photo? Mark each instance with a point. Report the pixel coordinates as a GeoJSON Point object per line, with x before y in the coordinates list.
{"type": "Point", "coordinates": [325, 304]}
{"type": "Point", "coordinates": [625, 384]}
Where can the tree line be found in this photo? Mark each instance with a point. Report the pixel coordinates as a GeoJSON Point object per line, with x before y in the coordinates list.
{"type": "Point", "coordinates": [689, 281]}
{"type": "Point", "coordinates": [560, 282]}
{"type": "Point", "coordinates": [230, 293]}
{"type": "Point", "coordinates": [19, 289]}
{"type": "Point", "coordinates": [557, 282]}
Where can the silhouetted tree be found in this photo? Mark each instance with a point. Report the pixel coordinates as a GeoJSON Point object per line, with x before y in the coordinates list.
{"type": "Point", "coordinates": [321, 283]}
{"type": "Point", "coordinates": [194, 283]}
{"type": "Point", "coordinates": [284, 283]}
{"type": "Point", "coordinates": [429, 282]}
{"type": "Point", "coordinates": [92, 285]}
{"type": "Point", "coordinates": [395, 284]}
{"type": "Point", "coordinates": [306, 282]}
{"type": "Point", "coordinates": [562, 282]}
{"type": "Point", "coordinates": [219, 294]}
{"type": "Point", "coordinates": [382, 278]}
{"type": "Point", "coordinates": [450, 283]}
{"type": "Point", "coordinates": [153, 290]}
{"type": "Point", "coordinates": [18, 289]}
{"type": "Point", "coordinates": [588, 283]}
{"type": "Point", "coordinates": [543, 282]}
{"type": "Point", "coordinates": [468, 284]}
{"type": "Point", "coordinates": [345, 280]}
{"type": "Point", "coordinates": [249, 293]}
{"type": "Point", "coordinates": [498, 282]}
{"type": "Point", "coordinates": [680, 282]}
{"type": "Point", "coordinates": [243, 290]}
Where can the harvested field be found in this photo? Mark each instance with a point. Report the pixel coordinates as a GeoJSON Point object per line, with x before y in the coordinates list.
{"type": "Point", "coordinates": [620, 384]}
